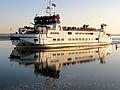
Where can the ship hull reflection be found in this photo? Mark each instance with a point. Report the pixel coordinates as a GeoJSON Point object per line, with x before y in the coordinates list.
{"type": "Point", "coordinates": [49, 62]}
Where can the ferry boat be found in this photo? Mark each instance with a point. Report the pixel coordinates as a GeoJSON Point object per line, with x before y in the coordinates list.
{"type": "Point", "coordinates": [47, 32]}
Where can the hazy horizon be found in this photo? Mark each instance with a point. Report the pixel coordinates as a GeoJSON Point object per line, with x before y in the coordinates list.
{"type": "Point", "coordinates": [18, 13]}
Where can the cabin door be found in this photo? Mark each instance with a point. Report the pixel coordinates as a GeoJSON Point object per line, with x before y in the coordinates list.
{"type": "Point", "coordinates": [42, 35]}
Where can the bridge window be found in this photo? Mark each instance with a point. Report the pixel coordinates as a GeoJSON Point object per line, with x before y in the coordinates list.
{"type": "Point", "coordinates": [54, 33]}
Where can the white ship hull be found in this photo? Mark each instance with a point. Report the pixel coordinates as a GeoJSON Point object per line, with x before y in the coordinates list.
{"type": "Point", "coordinates": [54, 39]}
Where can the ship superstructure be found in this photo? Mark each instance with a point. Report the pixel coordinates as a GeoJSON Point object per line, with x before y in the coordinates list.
{"type": "Point", "coordinates": [47, 32]}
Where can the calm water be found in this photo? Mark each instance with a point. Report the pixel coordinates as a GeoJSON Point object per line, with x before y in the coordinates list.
{"type": "Point", "coordinates": [68, 69]}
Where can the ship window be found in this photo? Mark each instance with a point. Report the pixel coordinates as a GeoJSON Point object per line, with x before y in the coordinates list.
{"type": "Point", "coordinates": [58, 39]}
{"type": "Point", "coordinates": [54, 33]}
{"type": "Point", "coordinates": [62, 53]}
{"type": "Point", "coordinates": [79, 38]}
{"type": "Point", "coordinates": [76, 58]}
{"type": "Point", "coordinates": [35, 39]}
{"type": "Point", "coordinates": [91, 33]}
{"type": "Point", "coordinates": [54, 39]}
{"type": "Point", "coordinates": [76, 52]}
{"type": "Point", "coordinates": [97, 51]}
{"type": "Point", "coordinates": [69, 59]}
{"type": "Point", "coordinates": [62, 39]}
{"type": "Point", "coordinates": [73, 39]}
{"type": "Point", "coordinates": [72, 52]}
{"type": "Point", "coordinates": [58, 54]}
{"type": "Point", "coordinates": [69, 39]}
{"type": "Point", "coordinates": [69, 33]}
{"type": "Point", "coordinates": [96, 38]}
{"type": "Point", "coordinates": [54, 54]}
{"type": "Point", "coordinates": [35, 56]}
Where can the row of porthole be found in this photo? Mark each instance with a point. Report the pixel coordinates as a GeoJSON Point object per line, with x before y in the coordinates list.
{"type": "Point", "coordinates": [62, 39]}
{"type": "Point", "coordinates": [72, 39]}
{"type": "Point", "coordinates": [76, 62]}
{"type": "Point", "coordinates": [69, 59]}
{"type": "Point", "coordinates": [85, 33]}
{"type": "Point", "coordinates": [80, 52]}
{"type": "Point", "coordinates": [58, 54]}
{"type": "Point", "coordinates": [83, 57]}
{"type": "Point", "coordinates": [75, 33]}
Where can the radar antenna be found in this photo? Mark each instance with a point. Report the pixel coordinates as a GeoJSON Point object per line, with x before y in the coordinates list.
{"type": "Point", "coordinates": [50, 7]}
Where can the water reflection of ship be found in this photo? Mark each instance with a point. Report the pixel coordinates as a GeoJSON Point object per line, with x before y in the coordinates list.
{"type": "Point", "coordinates": [49, 62]}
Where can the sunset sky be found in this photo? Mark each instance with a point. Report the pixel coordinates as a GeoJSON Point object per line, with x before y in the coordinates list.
{"type": "Point", "coordinates": [18, 13]}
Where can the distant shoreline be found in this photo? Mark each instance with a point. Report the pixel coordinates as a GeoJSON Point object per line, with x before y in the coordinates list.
{"type": "Point", "coordinates": [115, 34]}
{"type": "Point", "coordinates": [4, 37]}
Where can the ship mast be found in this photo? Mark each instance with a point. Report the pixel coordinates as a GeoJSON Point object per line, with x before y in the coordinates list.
{"type": "Point", "coordinates": [50, 7]}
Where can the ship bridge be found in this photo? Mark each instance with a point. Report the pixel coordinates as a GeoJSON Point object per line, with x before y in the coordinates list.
{"type": "Point", "coordinates": [47, 20]}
